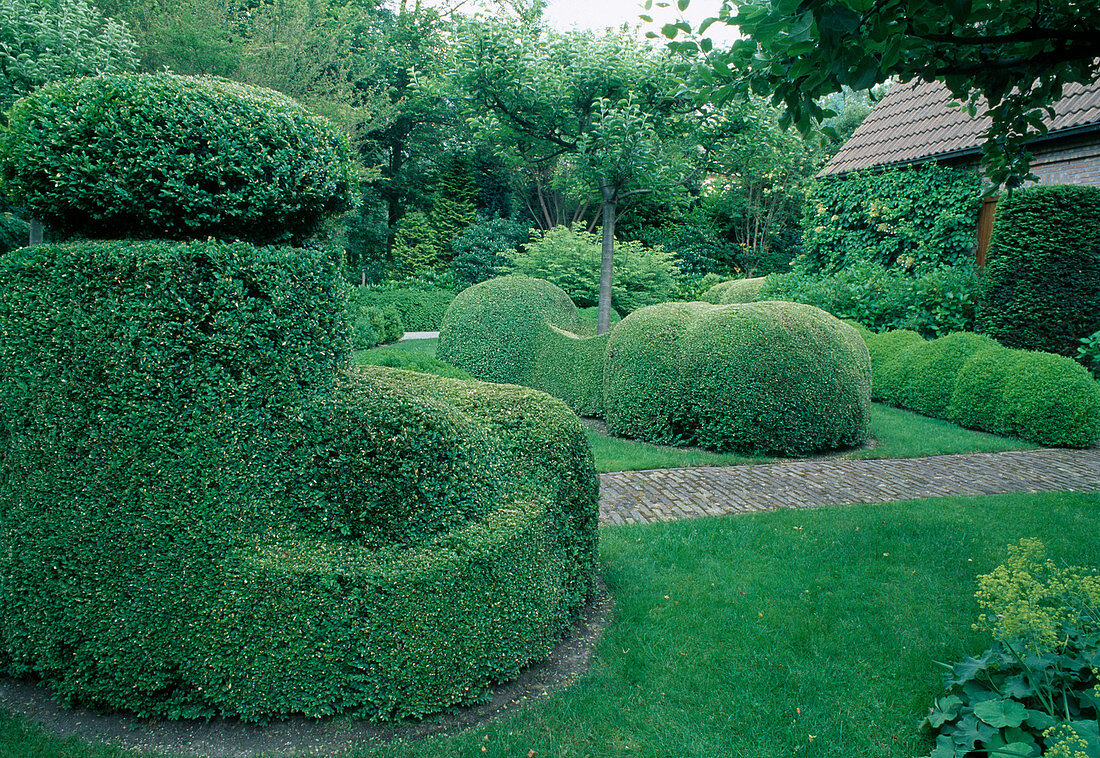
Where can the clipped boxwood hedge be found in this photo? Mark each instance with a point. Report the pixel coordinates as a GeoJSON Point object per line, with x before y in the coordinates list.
{"type": "Point", "coordinates": [735, 291]}
{"type": "Point", "coordinates": [762, 377]}
{"type": "Point", "coordinates": [1041, 285]}
{"type": "Point", "coordinates": [165, 156]}
{"type": "Point", "coordinates": [420, 308]}
{"type": "Point", "coordinates": [972, 381]}
{"type": "Point", "coordinates": [521, 330]}
{"type": "Point", "coordinates": [204, 516]}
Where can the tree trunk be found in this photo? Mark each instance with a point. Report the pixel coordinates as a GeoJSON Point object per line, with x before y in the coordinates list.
{"type": "Point", "coordinates": [603, 313]}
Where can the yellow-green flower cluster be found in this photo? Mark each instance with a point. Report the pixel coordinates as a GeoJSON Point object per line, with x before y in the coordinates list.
{"type": "Point", "coordinates": [1032, 599]}
{"type": "Point", "coordinates": [1065, 742]}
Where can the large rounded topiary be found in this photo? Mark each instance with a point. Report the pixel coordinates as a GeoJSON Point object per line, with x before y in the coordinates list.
{"type": "Point", "coordinates": [521, 330]}
{"type": "Point", "coordinates": [1041, 287]}
{"type": "Point", "coordinates": [203, 515]}
{"type": "Point", "coordinates": [764, 377]}
{"type": "Point", "coordinates": [164, 156]}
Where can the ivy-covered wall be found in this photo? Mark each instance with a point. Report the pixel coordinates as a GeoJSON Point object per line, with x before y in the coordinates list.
{"type": "Point", "coordinates": [919, 216]}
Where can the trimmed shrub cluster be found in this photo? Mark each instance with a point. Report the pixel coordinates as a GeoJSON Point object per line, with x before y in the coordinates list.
{"type": "Point", "coordinates": [973, 381]}
{"type": "Point", "coordinates": [485, 248]}
{"type": "Point", "coordinates": [768, 377]}
{"type": "Point", "coordinates": [920, 216]}
{"type": "Point", "coordinates": [396, 543]}
{"type": "Point", "coordinates": [1041, 285]}
{"type": "Point", "coordinates": [520, 330]}
{"type": "Point", "coordinates": [165, 156]}
{"type": "Point", "coordinates": [371, 325]}
{"type": "Point", "coordinates": [778, 378]}
{"type": "Point", "coordinates": [420, 307]}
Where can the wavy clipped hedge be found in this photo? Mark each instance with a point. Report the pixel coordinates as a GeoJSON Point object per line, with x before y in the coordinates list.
{"type": "Point", "coordinates": [521, 330]}
{"type": "Point", "coordinates": [763, 377]}
{"type": "Point", "coordinates": [1041, 287]}
{"type": "Point", "coordinates": [973, 381]}
{"type": "Point", "coordinates": [165, 156]}
{"type": "Point", "coordinates": [396, 543]}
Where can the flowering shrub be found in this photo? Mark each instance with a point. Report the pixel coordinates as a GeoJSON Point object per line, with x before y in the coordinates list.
{"type": "Point", "coordinates": [1036, 691]}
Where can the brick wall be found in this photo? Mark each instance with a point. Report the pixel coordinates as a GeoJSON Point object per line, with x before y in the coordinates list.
{"type": "Point", "coordinates": [1068, 161]}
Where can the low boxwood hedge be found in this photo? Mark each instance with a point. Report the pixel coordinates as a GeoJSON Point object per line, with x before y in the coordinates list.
{"type": "Point", "coordinates": [420, 308]}
{"type": "Point", "coordinates": [974, 382]}
{"type": "Point", "coordinates": [735, 291]}
{"type": "Point", "coordinates": [165, 156]}
{"type": "Point", "coordinates": [204, 515]}
{"type": "Point", "coordinates": [773, 377]}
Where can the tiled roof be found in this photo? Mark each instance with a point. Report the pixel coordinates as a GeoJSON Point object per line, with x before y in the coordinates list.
{"type": "Point", "coordinates": [913, 123]}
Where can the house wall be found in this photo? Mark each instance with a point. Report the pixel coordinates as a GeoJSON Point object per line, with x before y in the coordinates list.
{"type": "Point", "coordinates": [1068, 161]}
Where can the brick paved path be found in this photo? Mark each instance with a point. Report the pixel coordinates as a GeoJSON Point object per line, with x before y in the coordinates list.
{"type": "Point", "coordinates": [632, 497]}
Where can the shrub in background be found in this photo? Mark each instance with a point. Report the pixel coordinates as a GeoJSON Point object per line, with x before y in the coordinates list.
{"type": "Point", "coordinates": [1088, 352]}
{"type": "Point", "coordinates": [932, 301]}
{"type": "Point", "coordinates": [1041, 285]}
{"type": "Point", "coordinates": [734, 291]}
{"type": "Point", "coordinates": [371, 325]}
{"type": "Point", "coordinates": [420, 305]}
{"type": "Point", "coordinates": [920, 216]}
{"type": "Point", "coordinates": [164, 156]}
{"type": "Point", "coordinates": [485, 248]}
{"type": "Point", "coordinates": [520, 330]}
{"type": "Point", "coordinates": [976, 383]}
{"type": "Point", "coordinates": [571, 260]}
{"type": "Point", "coordinates": [763, 377]}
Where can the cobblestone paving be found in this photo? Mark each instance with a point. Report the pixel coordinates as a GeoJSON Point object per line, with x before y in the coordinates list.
{"type": "Point", "coordinates": [633, 497]}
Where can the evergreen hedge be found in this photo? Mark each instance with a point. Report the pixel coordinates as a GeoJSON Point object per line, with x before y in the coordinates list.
{"type": "Point", "coordinates": [419, 307]}
{"type": "Point", "coordinates": [203, 516]}
{"type": "Point", "coordinates": [778, 378]}
{"type": "Point", "coordinates": [1041, 285]}
{"type": "Point", "coordinates": [974, 382]}
{"type": "Point", "coordinates": [521, 330]}
{"type": "Point", "coordinates": [734, 291]}
{"type": "Point", "coordinates": [165, 156]}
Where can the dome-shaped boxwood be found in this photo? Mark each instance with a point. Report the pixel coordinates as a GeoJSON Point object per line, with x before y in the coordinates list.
{"type": "Point", "coordinates": [760, 377]}
{"type": "Point", "coordinates": [164, 156]}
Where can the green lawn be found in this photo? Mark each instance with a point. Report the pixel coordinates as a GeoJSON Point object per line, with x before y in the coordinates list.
{"type": "Point", "coordinates": [793, 633]}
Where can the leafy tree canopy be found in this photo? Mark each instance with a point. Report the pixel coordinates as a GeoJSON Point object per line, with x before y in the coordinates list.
{"type": "Point", "coordinates": [45, 40]}
{"type": "Point", "coordinates": [1012, 57]}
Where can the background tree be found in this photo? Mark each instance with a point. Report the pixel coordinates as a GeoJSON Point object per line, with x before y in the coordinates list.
{"type": "Point", "coordinates": [1011, 57]}
{"type": "Point", "coordinates": [588, 116]}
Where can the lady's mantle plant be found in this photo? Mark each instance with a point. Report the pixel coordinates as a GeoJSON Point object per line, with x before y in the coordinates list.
{"type": "Point", "coordinates": [1036, 691]}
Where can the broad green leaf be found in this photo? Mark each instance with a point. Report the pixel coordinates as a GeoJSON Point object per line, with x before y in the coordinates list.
{"type": "Point", "coordinates": [1001, 713]}
{"type": "Point", "coordinates": [945, 748]}
{"type": "Point", "coordinates": [682, 4]}
{"type": "Point", "coordinates": [945, 709]}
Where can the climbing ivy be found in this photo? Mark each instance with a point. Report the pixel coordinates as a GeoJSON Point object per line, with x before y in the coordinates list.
{"type": "Point", "coordinates": [921, 216]}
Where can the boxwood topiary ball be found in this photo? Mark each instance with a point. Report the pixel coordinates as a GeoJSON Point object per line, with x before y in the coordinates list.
{"type": "Point", "coordinates": [164, 156]}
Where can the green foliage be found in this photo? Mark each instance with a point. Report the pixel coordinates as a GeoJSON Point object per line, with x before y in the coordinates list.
{"type": "Point", "coordinates": [696, 244]}
{"type": "Point", "coordinates": [43, 42]}
{"type": "Point", "coordinates": [419, 304]}
{"type": "Point", "coordinates": [932, 367]}
{"type": "Point", "coordinates": [922, 216]}
{"type": "Point", "coordinates": [1088, 353]}
{"type": "Point", "coordinates": [1041, 285]}
{"type": "Point", "coordinates": [931, 301]}
{"type": "Point", "coordinates": [764, 377]}
{"type": "Point", "coordinates": [485, 248]}
{"type": "Point", "coordinates": [571, 260]}
{"type": "Point", "coordinates": [519, 330]}
{"type": "Point", "coordinates": [1036, 690]}
{"type": "Point", "coordinates": [735, 291]}
{"type": "Point", "coordinates": [372, 325]}
{"type": "Point", "coordinates": [417, 245]}
{"type": "Point", "coordinates": [396, 543]}
{"type": "Point", "coordinates": [408, 361]}
{"type": "Point", "coordinates": [989, 53]}
{"type": "Point", "coordinates": [167, 156]}
{"type": "Point", "coordinates": [966, 379]}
